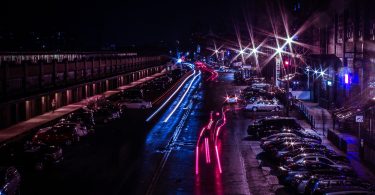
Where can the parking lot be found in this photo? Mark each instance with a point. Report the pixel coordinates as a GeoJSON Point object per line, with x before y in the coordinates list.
{"type": "Point", "coordinates": [294, 158]}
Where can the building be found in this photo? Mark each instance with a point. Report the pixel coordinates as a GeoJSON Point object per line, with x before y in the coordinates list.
{"type": "Point", "coordinates": [30, 81]}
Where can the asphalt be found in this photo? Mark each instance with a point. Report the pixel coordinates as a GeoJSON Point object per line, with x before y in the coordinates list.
{"type": "Point", "coordinates": [130, 156]}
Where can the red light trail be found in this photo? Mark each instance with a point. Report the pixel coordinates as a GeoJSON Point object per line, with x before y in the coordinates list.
{"type": "Point", "coordinates": [210, 133]}
{"type": "Point", "coordinates": [213, 74]}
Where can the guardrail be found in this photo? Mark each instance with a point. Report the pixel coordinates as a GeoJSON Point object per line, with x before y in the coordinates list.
{"type": "Point", "coordinates": [303, 109]}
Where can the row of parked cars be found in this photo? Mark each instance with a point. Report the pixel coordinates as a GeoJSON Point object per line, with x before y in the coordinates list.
{"type": "Point", "coordinates": [302, 162]}
{"type": "Point", "coordinates": [259, 96]}
{"type": "Point", "coordinates": [44, 149]}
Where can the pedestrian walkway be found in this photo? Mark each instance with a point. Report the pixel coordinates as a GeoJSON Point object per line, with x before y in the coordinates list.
{"type": "Point", "coordinates": [22, 128]}
{"type": "Point", "coordinates": [352, 142]}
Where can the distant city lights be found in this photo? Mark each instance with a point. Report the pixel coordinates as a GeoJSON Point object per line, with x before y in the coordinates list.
{"type": "Point", "coordinates": [329, 83]}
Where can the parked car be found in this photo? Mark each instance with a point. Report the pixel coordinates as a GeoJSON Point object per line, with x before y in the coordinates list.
{"type": "Point", "coordinates": [299, 181]}
{"type": "Point", "coordinates": [84, 117]}
{"type": "Point", "coordinates": [296, 146]}
{"type": "Point", "coordinates": [290, 133]}
{"type": "Point", "coordinates": [253, 80]}
{"type": "Point", "coordinates": [333, 156]}
{"type": "Point", "coordinates": [135, 104]}
{"type": "Point", "coordinates": [264, 105]}
{"type": "Point", "coordinates": [260, 85]}
{"type": "Point", "coordinates": [287, 172]}
{"type": "Point", "coordinates": [277, 136]}
{"type": "Point", "coordinates": [10, 181]}
{"type": "Point", "coordinates": [107, 112]}
{"type": "Point", "coordinates": [322, 150]}
{"type": "Point", "coordinates": [58, 134]}
{"type": "Point", "coordinates": [282, 142]}
{"type": "Point", "coordinates": [312, 157]}
{"type": "Point", "coordinates": [285, 145]}
{"type": "Point", "coordinates": [339, 184]}
{"type": "Point", "coordinates": [30, 156]}
{"type": "Point", "coordinates": [41, 155]}
{"type": "Point", "coordinates": [275, 123]}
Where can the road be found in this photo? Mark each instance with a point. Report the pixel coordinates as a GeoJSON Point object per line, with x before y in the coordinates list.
{"type": "Point", "coordinates": [131, 156]}
{"type": "Point", "coordinates": [196, 144]}
{"type": "Point", "coordinates": [179, 173]}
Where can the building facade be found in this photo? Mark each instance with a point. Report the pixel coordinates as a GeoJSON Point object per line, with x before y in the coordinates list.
{"type": "Point", "coordinates": [27, 87]}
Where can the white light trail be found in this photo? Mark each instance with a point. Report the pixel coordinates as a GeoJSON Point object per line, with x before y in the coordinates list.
{"type": "Point", "coordinates": [182, 98]}
{"type": "Point", "coordinates": [166, 102]}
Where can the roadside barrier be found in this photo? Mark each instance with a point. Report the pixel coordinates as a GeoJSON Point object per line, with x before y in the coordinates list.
{"type": "Point", "coordinates": [303, 109]}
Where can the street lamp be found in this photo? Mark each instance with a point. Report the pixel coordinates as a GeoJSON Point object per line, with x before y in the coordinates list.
{"type": "Point", "coordinates": [286, 65]}
{"type": "Point", "coordinates": [308, 77]}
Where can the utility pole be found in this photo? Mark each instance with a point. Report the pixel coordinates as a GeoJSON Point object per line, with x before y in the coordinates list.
{"type": "Point", "coordinates": [286, 67]}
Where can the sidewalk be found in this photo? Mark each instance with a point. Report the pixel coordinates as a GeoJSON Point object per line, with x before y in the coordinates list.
{"type": "Point", "coordinates": [315, 111]}
{"type": "Point", "coordinates": [22, 128]}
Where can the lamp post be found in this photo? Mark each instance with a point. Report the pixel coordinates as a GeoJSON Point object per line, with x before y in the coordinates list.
{"type": "Point", "coordinates": [286, 65]}
{"type": "Point", "coordinates": [308, 77]}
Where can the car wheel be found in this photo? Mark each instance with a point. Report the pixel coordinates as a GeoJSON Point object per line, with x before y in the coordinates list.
{"type": "Point", "coordinates": [68, 142]}
{"type": "Point", "coordinates": [277, 109]}
{"type": "Point", "coordinates": [255, 109]}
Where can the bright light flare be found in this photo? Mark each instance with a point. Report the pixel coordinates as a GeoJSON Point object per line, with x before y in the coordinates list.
{"type": "Point", "coordinates": [279, 50]}
{"type": "Point", "coordinates": [289, 40]}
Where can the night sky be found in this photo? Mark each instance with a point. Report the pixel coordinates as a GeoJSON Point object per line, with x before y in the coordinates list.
{"type": "Point", "coordinates": [120, 22]}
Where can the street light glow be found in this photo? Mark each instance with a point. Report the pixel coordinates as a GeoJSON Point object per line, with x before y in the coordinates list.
{"type": "Point", "coordinates": [279, 50]}
{"type": "Point", "coordinates": [289, 40]}
{"type": "Point", "coordinates": [216, 51]}
{"type": "Point", "coordinates": [242, 51]}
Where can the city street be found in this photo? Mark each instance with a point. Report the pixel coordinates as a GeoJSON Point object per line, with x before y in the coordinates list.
{"type": "Point", "coordinates": [271, 97]}
{"type": "Point", "coordinates": [197, 144]}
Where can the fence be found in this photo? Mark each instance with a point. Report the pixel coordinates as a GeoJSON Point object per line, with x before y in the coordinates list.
{"type": "Point", "coordinates": [303, 109]}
